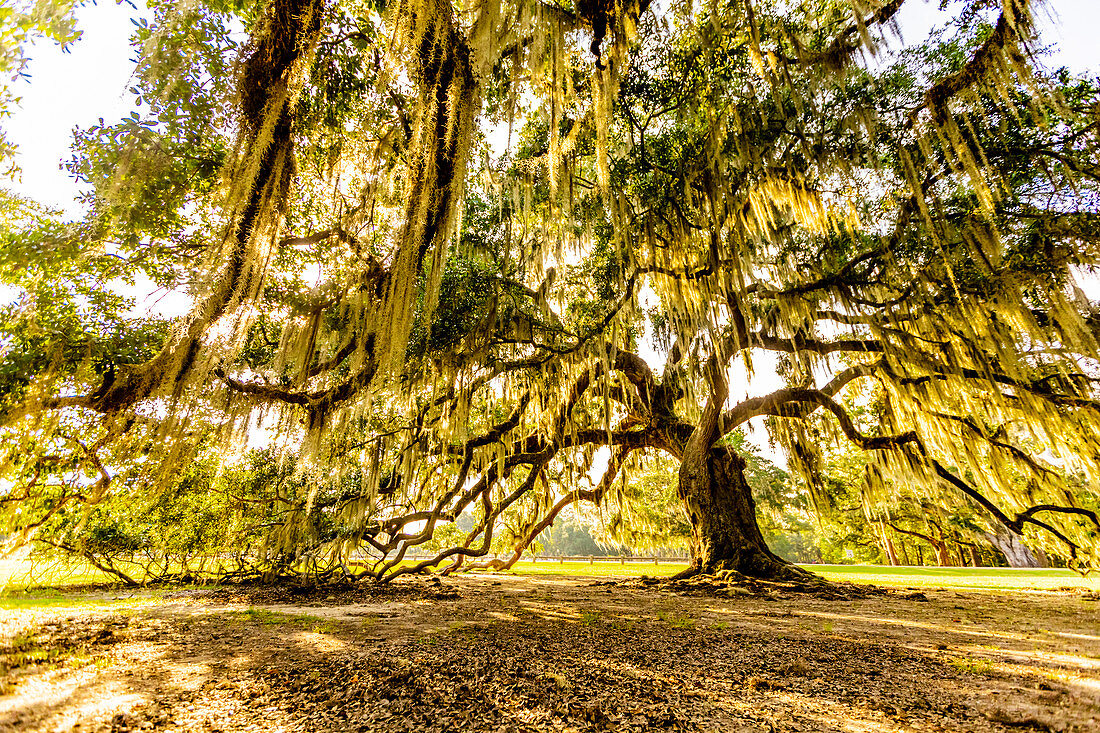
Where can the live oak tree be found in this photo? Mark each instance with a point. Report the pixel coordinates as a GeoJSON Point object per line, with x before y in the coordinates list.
{"type": "Point", "coordinates": [383, 295]}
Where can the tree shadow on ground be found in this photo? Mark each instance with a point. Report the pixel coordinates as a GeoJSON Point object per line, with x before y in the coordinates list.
{"type": "Point", "coordinates": [560, 656]}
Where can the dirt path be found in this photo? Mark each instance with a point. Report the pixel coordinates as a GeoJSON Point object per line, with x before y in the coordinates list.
{"type": "Point", "coordinates": [534, 654]}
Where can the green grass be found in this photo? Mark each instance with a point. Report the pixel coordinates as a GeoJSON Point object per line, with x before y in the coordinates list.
{"type": "Point", "coordinates": [679, 621]}
{"type": "Point", "coordinates": [23, 586]}
{"type": "Point", "coordinates": [921, 577]}
{"type": "Point", "coordinates": [21, 600]}
{"type": "Point", "coordinates": [969, 665]}
{"type": "Point", "coordinates": [596, 569]}
{"type": "Point", "coordinates": [963, 578]}
{"type": "Point", "coordinates": [20, 588]}
{"type": "Point", "coordinates": [20, 575]}
{"type": "Point", "coordinates": [590, 618]}
{"type": "Point", "coordinates": [26, 651]}
{"type": "Point", "coordinates": [73, 598]}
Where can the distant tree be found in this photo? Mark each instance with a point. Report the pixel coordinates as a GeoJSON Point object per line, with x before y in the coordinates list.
{"type": "Point", "coordinates": [571, 538]}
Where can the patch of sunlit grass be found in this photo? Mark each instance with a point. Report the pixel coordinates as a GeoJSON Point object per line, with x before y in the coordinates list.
{"type": "Point", "coordinates": [1007, 579]}
{"type": "Point", "coordinates": [970, 665]}
{"type": "Point", "coordinates": [17, 575]}
{"type": "Point", "coordinates": [679, 621]}
{"type": "Point", "coordinates": [1050, 579]}
{"type": "Point", "coordinates": [48, 598]}
{"type": "Point", "coordinates": [598, 569]}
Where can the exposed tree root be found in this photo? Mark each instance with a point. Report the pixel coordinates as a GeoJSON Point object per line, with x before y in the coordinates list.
{"type": "Point", "coordinates": [732, 583]}
{"type": "Point", "coordinates": [750, 564]}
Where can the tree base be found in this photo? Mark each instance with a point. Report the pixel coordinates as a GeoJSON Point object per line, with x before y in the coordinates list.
{"type": "Point", "coordinates": [732, 585]}
{"type": "Point", "coordinates": [766, 576]}
{"type": "Point", "coordinates": [750, 564]}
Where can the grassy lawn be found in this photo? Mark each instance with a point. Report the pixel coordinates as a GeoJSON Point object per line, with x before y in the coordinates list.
{"type": "Point", "coordinates": [596, 569]}
{"type": "Point", "coordinates": [20, 574]}
{"type": "Point", "coordinates": [20, 586]}
{"type": "Point", "coordinates": [975, 578]}
{"type": "Point", "coordinates": [25, 586]}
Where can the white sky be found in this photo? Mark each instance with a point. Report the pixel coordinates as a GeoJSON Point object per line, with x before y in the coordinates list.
{"type": "Point", "coordinates": [68, 90]}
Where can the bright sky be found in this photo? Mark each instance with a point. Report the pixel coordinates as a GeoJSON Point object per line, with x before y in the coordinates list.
{"type": "Point", "coordinates": [68, 90]}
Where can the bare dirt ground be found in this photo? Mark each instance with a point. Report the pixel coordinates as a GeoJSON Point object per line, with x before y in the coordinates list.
{"type": "Point", "coordinates": [506, 653]}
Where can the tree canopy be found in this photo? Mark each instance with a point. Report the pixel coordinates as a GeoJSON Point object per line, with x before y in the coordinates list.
{"type": "Point", "coordinates": [467, 264]}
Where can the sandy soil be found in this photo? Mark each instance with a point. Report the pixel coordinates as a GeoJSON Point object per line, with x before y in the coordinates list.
{"type": "Point", "coordinates": [506, 653]}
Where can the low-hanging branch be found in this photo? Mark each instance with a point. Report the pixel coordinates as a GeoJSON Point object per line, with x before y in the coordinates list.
{"type": "Point", "coordinates": [1025, 517]}
{"type": "Point", "coordinates": [892, 442]}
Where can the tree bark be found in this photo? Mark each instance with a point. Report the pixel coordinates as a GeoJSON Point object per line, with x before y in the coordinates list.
{"type": "Point", "coordinates": [904, 552]}
{"type": "Point", "coordinates": [943, 555]}
{"type": "Point", "coordinates": [1017, 554]}
{"type": "Point", "coordinates": [718, 500]}
{"type": "Point", "coordinates": [725, 535]}
{"type": "Point", "coordinates": [888, 547]}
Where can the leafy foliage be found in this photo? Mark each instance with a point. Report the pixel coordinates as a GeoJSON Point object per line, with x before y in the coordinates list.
{"type": "Point", "coordinates": [442, 341]}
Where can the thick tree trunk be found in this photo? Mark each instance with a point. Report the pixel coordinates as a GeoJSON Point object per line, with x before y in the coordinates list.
{"type": "Point", "coordinates": [718, 499]}
{"type": "Point", "coordinates": [1017, 554]}
{"type": "Point", "coordinates": [904, 552]}
{"type": "Point", "coordinates": [943, 555]}
{"type": "Point", "coordinates": [722, 512]}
